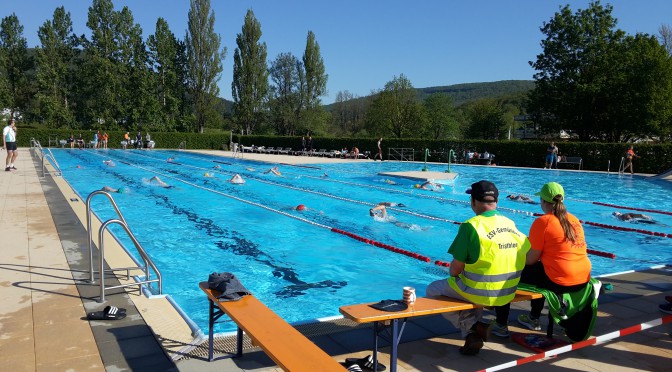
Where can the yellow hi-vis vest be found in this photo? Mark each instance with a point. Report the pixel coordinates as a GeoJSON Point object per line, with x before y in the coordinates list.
{"type": "Point", "coordinates": [492, 280]}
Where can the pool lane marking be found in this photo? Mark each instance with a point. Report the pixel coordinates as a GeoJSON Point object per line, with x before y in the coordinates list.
{"type": "Point", "coordinates": [391, 248]}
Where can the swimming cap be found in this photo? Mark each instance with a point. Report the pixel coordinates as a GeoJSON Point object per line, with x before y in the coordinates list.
{"type": "Point", "coordinates": [417, 186]}
{"type": "Point", "coordinates": [300, 207]}
{"type": "Point", "coordinates": [121, 190]}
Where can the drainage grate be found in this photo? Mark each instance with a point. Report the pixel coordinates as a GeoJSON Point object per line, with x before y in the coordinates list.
{"type": "Point", "coordinates": [227, 344]}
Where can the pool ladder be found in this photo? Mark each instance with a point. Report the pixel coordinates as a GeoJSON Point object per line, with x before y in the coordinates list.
{"type": "Point", "coordinates": [182, 145]}
{"type": "Point", "coordinates": [35, 144]}
{"type": "Point", "coordinates": [101, 247]}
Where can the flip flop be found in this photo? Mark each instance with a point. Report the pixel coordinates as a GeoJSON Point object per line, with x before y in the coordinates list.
{"type": "Point", "coordinates": [109, 313]}
{"type": "Point", "coordinates": [365, 363]}
{"type": "Point", "coordinates": [351, 367]}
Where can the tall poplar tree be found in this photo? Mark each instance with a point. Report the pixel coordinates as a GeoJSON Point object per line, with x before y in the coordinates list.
{"type": "Point", "coordinates": [287, 77]}
{"type": "Point", "coordinates": [314, 118]}
{"type": "Point", "coordinates": [54, 69]}
{"type": "Point", "coordinates": [15, 63]}
{"type": "Point", "coordinates": [163, 53]}
{"type": "Point", "coordinates": [204, 60]}
{"type": "Point", "coordinates": [250, 76]}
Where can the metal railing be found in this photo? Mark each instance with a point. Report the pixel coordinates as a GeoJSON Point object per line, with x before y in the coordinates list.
{"type": "Point", "coordinates": [401, 154]}
{"type": "Point", "coordinates": [35, 144]}
{"type": "Point", "coordinates": [101, 247]}
{"type": "Point", "coordinates": [182, 145]}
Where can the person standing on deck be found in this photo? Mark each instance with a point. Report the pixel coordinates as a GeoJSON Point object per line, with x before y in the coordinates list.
{"type": "Point", "coordinates": [9, 144]}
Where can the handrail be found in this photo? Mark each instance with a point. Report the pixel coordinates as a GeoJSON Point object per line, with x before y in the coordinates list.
{"type": "Point", "coordinates": [88, 224]}
{"type": "Point", "coordinates": [621, 168]}
{"type": "Point", "coordinates": [451, 155]}
{"type": "Point", "coordinates": [182, 145]}
{"type": "Point", "coordinates": [53, 159]}
{"type": "Point", "coordinates": [143, 254]}
{"type": "Point", "coordinates": [101, 257]}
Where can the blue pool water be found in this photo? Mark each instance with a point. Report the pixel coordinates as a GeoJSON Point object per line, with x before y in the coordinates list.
{"type": "Point", "coordinates": [293, 261]}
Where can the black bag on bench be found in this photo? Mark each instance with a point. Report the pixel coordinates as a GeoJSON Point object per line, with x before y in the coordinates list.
{"type": "Point", "coordinates": [232, 289]}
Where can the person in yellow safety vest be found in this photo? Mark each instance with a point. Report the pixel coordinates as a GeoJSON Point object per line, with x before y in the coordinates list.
{"type": "Point", "coordinates": [488, 258]}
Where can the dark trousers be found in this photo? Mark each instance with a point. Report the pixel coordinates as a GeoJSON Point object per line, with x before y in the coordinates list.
{"type": "Point", "coordinates": [536, 275]}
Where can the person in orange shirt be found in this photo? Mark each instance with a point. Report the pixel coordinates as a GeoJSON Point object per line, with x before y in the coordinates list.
{"type": "Point", "coordinates": [558, 259]}
{"type": "Point", "coordinates": [628, 159]}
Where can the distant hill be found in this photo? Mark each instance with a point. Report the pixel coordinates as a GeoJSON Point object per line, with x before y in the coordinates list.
{"type": "Point", "coordinates": [463, 93]}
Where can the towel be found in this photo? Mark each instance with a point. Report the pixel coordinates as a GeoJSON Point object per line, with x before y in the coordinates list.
{"type": "Point", "coordinates": [232, 289]}
{"type": "Point", "coordinates": [575, 312]}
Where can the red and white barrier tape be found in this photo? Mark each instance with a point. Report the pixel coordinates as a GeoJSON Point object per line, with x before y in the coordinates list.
{"type": "Point", "coordinates": [582, 344]}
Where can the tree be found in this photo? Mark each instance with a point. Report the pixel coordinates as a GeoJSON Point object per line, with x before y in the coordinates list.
{"type": "Point", "coordinates": [589, 70]}
{"type": "Point", "coordinates": [204, 60]}
{"type": "Point", "coordinates": [99, 81]}
{"type": "Point", "coordinates": [250, 76]}
{"type": "Point", "coordinates": [395, 110]}
{"type": "Point", "coordinates": [54, 69]}
{"type": "Point", "coordinates": [163, 58]}
{"type": "Point", "coordinates": [486, 120]}
{"type": "Point", "coordinates": [314, 118]}
{"type": "Point", "coordinates": [16, 64]}
{"type": "Point", "coordinates": [349, 114]}
{"type": "Point", "coordinates": [665, 37]}
{"type": "Point", "coordinates": [286, 73]}
{"type": "Point", "coordinates": [440, 117]}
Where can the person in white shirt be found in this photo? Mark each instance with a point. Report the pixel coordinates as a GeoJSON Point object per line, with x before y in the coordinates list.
{"type": "Point", "coordinates": [9, 143]}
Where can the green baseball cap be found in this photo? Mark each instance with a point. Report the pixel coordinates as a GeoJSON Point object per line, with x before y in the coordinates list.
{"type": "Point", "coordinates": [550, 190]}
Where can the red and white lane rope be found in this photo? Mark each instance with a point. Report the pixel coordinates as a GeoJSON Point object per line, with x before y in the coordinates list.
{"type": "Point", "coordinates": [582, 344]}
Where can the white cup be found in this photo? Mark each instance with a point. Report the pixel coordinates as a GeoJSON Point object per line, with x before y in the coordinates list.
{"type": "Point", "coordinates": [409, 295]}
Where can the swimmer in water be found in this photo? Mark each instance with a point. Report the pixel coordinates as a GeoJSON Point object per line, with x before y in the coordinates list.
{"type": "Point", "coordinates": [237, 179]}
{"type": "Point", "coordinates": [120, 190]}
{"type": "Point", "coordinates": [109, 163]}
{"type": "Point", "coordinates": [429, 185]}
{"type": "Point", "coordinates": [521, 198]}
{"type": "Point", "coordinates": [275, 171]}
{"type": "Point", "coordinates": [390, 182]}
{"type": "Point", "coordinates": [217, 167]}
{"type": "Point", "coordinates": [634, 217]}
{"type": "Point", "coordinates": [158, 182]}
{"type": "Point", "coordinates": [208, 175]}
{"type": "Point", "coordinates": [379, 212]}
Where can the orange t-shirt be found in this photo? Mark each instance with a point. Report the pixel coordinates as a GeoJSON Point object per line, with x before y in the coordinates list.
{"type": "Point", "coordinates": [565, 263]}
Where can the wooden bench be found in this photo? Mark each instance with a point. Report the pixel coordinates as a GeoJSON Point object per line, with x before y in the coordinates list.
{"type": "Point", "coordinates": [572, 160]}
{"type": "Point", "coordinates": [291, 350]}
{"type": "Point", "coordinates": [363, 313]}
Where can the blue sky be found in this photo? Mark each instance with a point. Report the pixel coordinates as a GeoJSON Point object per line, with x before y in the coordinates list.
{"type": "Point", "coordinates": [366, 43]}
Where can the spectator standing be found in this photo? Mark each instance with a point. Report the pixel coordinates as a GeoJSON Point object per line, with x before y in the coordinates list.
{"type": "Point", "coordinates": [629, 155]}
{"type": "Point", "coordinates": [105, 138]}
{"type": "Point", "coordinates": [9, 144]}
{"type": "Point", "coordinates": [551, 156]}
{"type": "Point", "coordinates": [379, 155]}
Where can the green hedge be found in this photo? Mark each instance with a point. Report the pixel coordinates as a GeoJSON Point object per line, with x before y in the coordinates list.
{"type": "Point", "coordinates": [596, 156]}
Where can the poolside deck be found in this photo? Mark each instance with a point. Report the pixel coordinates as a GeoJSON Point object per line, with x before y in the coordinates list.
{"type": "Point", "coordinates": [44, 298]}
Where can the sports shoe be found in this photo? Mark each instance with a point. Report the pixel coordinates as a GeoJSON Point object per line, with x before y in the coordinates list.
{"type": "Point", "coordinates": [472, 344]}
{"type": "Point", "coordinates": [7, 169]}
{"type": "Point", "coordinates": [499, 330]}
{"type": "Point", "coordinates": [667, 308]}
{"type": "Point", "coordinates": [12, 167]}
{"type": "Point", "coordinates": [529, 322]}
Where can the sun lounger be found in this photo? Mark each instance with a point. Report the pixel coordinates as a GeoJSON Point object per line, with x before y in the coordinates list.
{"type": "Point", "coordinates": [291, 350]}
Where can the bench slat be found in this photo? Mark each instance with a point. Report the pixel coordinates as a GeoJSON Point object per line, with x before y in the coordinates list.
{"type": "Point", "coordinates": [363, 313]}
{"type": "Point", "coordinates": [290, 349]}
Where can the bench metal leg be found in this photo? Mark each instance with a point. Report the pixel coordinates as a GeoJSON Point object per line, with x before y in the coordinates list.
{"type": "Point", "coordinates": [214, 313]}
{"type": "Point", "coordinates": [239, 342]}
{"type": "Point", "coordinates": [397, 327]}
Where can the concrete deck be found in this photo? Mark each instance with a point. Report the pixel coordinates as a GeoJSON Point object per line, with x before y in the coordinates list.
{"type": "Point", "coordinates": [45, 295]}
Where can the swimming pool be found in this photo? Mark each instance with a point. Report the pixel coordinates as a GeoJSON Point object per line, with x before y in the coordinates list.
{"type": "Point", "coordinates": [295, 262]}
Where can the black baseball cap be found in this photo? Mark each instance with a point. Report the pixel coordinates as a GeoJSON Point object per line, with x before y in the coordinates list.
{"type": "Point", "coordinates": [484, 191]}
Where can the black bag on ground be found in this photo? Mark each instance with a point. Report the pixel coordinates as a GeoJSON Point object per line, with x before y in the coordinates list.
{"type": "Point", "coordinates": [230, 287]}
